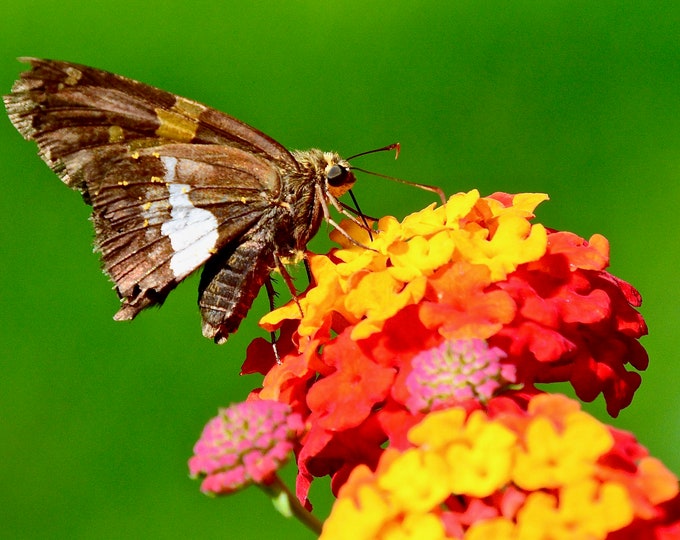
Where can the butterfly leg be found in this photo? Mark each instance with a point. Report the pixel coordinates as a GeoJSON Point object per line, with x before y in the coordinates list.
{"type": "Point", "coordinates": [289, 281]}
{"type": "Point", "coordinates": [327, 216]}
{"type": "Point", "coordinates": [271, 294]}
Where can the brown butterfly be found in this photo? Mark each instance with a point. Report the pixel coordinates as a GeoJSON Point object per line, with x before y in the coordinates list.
{"type": "Point", "coordinates": [175, 185]}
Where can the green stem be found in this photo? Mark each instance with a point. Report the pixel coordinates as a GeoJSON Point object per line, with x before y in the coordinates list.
{"type": "Point", "coordinates": [288, 504]}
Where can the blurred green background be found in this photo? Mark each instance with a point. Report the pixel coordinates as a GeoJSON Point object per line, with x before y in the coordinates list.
{"type": "Point", "coordinates": [577, 99]}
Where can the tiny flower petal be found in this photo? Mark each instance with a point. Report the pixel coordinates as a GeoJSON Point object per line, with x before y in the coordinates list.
{"type": "Point", "coordinates": [345, 398]}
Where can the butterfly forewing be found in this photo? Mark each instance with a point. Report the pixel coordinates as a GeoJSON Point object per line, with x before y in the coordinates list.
{"type": "Point", "coordinates": [66, 107]}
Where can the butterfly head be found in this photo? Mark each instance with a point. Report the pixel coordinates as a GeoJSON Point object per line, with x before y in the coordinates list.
{"type": "Point", "coordinates": [339, 177]}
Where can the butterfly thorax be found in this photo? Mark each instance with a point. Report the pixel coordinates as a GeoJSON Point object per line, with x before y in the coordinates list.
{"type": "Point", "coordinates": [309, 189]}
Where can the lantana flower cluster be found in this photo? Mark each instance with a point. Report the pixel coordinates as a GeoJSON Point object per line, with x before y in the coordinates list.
{"type": "Point", "coordinates": [415, 354]}
{"type": "Point", "coordinates": [550, 471]}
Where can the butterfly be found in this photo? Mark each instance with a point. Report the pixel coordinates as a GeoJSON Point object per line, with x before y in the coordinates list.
{"type": "Point", "coordinates": [175, 185]}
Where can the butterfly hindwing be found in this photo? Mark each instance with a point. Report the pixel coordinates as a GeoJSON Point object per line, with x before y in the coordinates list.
{"type": "Point", "coordinates": [160, 213]}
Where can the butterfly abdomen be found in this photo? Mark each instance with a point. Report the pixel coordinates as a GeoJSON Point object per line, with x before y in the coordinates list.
{"type": "Point", "coordinates": [230, 282]}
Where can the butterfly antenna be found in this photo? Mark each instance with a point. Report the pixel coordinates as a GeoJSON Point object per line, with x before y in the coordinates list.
{"type": "Point", "coordinates": [395, 146]}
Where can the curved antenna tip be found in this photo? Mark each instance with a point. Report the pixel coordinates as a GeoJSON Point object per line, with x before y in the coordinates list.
{"type": "Point", "coordinates": [394, 146]}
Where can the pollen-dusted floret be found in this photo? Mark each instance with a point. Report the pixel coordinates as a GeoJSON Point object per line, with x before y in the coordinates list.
{"type": "Point", "coordinates": [454, 372]}
{"type": "Point", "coordinates": [245, 444]}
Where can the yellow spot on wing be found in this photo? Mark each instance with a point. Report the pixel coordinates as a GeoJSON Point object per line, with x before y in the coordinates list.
{"type": "Point", "coordinates": [157, 179]}
{"type": "Point", "coordinates": [134, 155]}
{"type": "Point", "coordinates": [175, 126]}
{"type": "Point", "coordinates": [74, 75]}
{"type": "Point", "coordinates": [146, 206]}
{"type": "Point", "coordinates": [188, 107]}
{"type": "Point", "coordinates": [116, 134]}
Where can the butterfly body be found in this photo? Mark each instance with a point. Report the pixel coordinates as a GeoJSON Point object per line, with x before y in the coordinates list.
{"type": "Point", "coordinates": [175, 185]}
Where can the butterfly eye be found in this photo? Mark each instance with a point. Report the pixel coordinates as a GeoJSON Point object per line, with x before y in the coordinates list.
{"type": "Point", "coordinates": [336, 175]}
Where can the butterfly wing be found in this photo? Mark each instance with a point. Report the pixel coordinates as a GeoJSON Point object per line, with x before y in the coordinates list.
{"type": "Point", "coordinates": [171, 181]}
